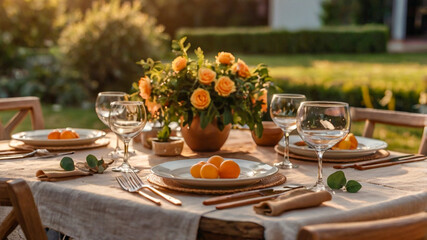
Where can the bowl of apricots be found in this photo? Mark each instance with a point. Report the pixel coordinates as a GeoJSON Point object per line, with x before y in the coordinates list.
{"type": "Point", "coordinates": [59, 137]}
{"type": "Point", "coordinates": [215, 171]}
{"type": "Point", "coordinates": [350, 147]}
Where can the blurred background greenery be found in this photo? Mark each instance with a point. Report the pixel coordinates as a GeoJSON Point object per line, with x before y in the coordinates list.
{"type": "Point", "coordinates": [65, 51]}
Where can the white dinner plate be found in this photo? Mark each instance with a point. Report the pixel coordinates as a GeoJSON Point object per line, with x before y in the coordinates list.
{"type": "Point", "coordinates": [39, 137]}
{"type": "Point", "coordinates": [250, 172]}
{"type": "Point", "coordinates": [366, 146]}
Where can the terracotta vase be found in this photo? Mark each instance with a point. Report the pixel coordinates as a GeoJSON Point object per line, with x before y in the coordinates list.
{"type": "Point", "coordinates": [270, 136]}
{"type": "Point", "coordinates": [204, 140]}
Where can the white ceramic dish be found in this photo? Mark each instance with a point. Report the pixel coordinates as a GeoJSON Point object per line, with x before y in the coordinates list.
{"type": "Point", "coordinates": [39, 137]}
{"type": "Point", "coordinates": [250, 172]}
{"type": "Point", "coordinates": [365, 147]}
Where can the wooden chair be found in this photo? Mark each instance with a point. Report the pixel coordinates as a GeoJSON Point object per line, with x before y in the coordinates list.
{"type": "Point", "coordinates": [405, 119]}
{"type": "Point", "coordinates": [410, 227]}
{"type": "Point", "coordinates": [17, 193]}
{"type": "Point", "coordinates": [23, 105]}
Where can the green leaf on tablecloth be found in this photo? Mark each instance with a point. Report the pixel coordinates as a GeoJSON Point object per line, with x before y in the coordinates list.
{"type": "Point", "coordinates": [101, 169]}
{"type": "Point", "coordinates": [92, 161]}
{"type": "Point", "coordinates": [101, 162]}
{"type": "Point", "coordinates": [353, 186]}
{"type": "Point", "coordinates": [336, 180]}
{"type": "Point", "coordinates": [67, 164]}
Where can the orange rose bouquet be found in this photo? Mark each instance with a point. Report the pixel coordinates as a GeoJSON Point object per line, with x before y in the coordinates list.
{"type": "Point", "coordinates": [225, 90]}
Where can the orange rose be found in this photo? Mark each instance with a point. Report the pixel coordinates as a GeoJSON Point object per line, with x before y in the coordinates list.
{"type": "Point", "coordinates": [261, 96]}
{"type": "Point", "coordinates": [206, 75]}
{"type": "Point", "coordinates": [224, 86]}
{"type": "Point", "coordinates": [144, 87]}
{"type": "Point", "coordinates": [179, 63]}
{"type": "Point", "coordinates": [225, 58]}
{"type": "Point", "coordinates": [152, 107]}
{"type": "Point", "coordinates": [200, 98]}
{"type": "Point", "coordinates": [241, 68]}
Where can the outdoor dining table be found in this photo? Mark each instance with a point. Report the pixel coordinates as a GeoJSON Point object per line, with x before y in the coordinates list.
{"type": "Point", "coordinates": [95, 207]}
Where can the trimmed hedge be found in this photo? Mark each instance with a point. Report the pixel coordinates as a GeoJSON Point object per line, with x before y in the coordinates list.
{"type": "Point", "coordinates": [263, 40]}
{"type": "Point", "coordinates": [405, 100]}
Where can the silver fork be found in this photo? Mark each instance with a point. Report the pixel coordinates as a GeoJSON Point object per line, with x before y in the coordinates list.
{"type": "Point", "coordinates": [134, 178]}
{"type": "Point", "coordinates": [126, 185]}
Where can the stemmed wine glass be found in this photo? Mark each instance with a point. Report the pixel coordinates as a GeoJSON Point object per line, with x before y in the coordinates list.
{"type": "Point", "coordinates": [283, 111]}
{"type": "Point", "coordinates": [102, 107]}
{"type": "Point", "coordinates": [127, 119]}
{"type": "Point", "coordinates": [322, 124]}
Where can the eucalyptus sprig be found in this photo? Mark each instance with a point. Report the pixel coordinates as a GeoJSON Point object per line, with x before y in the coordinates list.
{"type": "Point", "coordinates": [337, 180]}
{"type": "Point", "coordinates": [92, 164]}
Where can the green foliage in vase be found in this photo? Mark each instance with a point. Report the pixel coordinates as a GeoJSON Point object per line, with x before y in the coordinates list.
{"type": "Point", "coordinates": [104, 46]}
{"type": "Point", "coordinates": [226, 91]}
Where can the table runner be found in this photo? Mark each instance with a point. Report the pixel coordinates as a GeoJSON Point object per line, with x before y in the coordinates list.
{"type": "Point", "coordinates": [73, 206]}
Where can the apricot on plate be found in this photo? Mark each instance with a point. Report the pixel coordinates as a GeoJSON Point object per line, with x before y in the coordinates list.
{"type": "Point", "coordinates": [55, 134]}
{"type": "Point", "coordinates": [216, 160]}
{"type": "Point", "coordinates": [349, 142]}
{"type": "Point", "coordinates": [76, 135]}
{"type": "Point", "coordinates": [229, 169]}
{"type": "Point", "coordinates": [195, 169]}
{"type": "Point", "coordinates": [342, 145]}
{"type": "Point", "coordinates": [209, 171]}
{"type": "Point", "coordinates": [352, 140]}
{"type": "Point", "coordinates": [67, 134]}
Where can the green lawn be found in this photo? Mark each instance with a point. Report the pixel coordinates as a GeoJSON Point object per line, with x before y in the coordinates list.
{"type": "Point", "coordinates": [396, 72]}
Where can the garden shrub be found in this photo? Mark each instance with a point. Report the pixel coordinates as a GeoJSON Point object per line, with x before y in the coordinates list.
{"type": "Point", "coordinates": [30, 23]}
{"type": "Point", "coordinates": [10, 55]}
{"type": "Point", "coordinates": [263, 40]}
{"type": "Point", "coordinates": [103, 48]}
{"type": "Point", "coordinates": [40, 75]}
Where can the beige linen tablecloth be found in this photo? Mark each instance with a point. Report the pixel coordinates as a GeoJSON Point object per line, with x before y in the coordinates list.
{"type": "Point", "coordinates": [95, 207]}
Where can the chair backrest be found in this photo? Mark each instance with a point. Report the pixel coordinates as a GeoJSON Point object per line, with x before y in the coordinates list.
{"type": "Point", "coordinates": [17, 193]}
{"type": "Point", "coordinates": [405, 119]}
{"type": "Point", "coordinates": [23, 105]}
{"type": "Point", "coordinates": [411, 227]}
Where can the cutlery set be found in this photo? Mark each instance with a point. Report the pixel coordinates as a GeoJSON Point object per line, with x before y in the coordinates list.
{"type": "Point", "coordinates": [377, 163]}
{"type": "Point", "coordinates": [131, 182]}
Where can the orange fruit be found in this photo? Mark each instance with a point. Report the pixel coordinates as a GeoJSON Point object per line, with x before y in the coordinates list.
{"type": "Point", "coordinates": [342, 145]}
{"type": "Point", "coordinates": [76, 135]}
{"type": "Point", "coordinates": [216, 160]}
{"type": "Point", "coordinates": [195, 169]}
{"type": "Point", "coordinates": [67, 134]}
{"type": "Point", "coordinates": [349, 142]}
{"type": "Point", "coordinates": [352, 140]}
{"type": "Point", "coordinates": [229, 169]}
{"type": "Point", "coordinates": [55, 134]}
{"type": "Point", "coordinates": [209, 170]}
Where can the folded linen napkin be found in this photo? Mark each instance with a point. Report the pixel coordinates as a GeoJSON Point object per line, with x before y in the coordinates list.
{"type": "Point", "coordinates": [54, 175]}
{"type": "Point", "coordinates": [296, 199]}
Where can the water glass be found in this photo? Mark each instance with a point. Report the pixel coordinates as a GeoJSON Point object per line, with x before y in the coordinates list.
{"type": "Point", "coordinates": [322, 124]}
{"type": "Point", "coordinates": [283, 111]}
{"type": "Point", "coordinates": [127, 119]}
{"type": "Point", "coordinates": [102, 108]}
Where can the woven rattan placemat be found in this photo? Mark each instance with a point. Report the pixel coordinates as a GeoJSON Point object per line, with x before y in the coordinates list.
{"type": "Point", "coordinates": [273, 180]}
{"type": "Point", "coordinates": [377, 155]}
{"type": "Point", "coordinates": [22, 146]}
